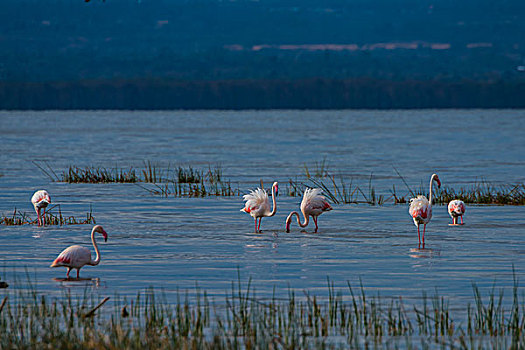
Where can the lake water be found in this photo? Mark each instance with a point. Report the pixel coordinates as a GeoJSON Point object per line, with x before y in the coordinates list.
{"type": "Point", "coordinates": [175, 243]}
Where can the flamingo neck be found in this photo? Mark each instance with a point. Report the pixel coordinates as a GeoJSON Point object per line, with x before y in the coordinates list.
{"type": "Point", "coordinates": [430, 192]}
{"type": "Point", "coordinates": [306, 219]}
{"type": "Point", "coordinates": [97, 258]}
{"type": "Point", "coordinates": [274, 209]}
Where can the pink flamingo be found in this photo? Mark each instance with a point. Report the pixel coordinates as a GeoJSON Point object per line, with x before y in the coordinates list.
{"type": "Point", "coordinates": [258, 205]}
{"type": "Point", "coordinates": [40, 200]}
{"type": "Point", "coordinates": [456, 208]}
{"type": "Point", "coordinates": [421, 209]}
{"type": "Point", "coordinates": [75, 256]}
{"type": "Point", "coordinates": [313, 204]}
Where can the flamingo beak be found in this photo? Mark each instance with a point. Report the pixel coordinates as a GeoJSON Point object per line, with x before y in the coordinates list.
{"type": "Point", "coordinates": [439, 183]}
{"type": "Point", "coordinates": [105, 236]}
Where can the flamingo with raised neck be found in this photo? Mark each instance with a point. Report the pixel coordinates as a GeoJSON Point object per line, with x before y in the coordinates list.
{"type": "Point", "coordinates": [75, 256]}
{"type": "Point", "coordinates": [421, 209]}
{"type": "Point", "coordinates": [258, 205]}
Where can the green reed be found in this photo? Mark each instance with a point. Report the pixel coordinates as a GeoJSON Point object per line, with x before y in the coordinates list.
{"type": "Point", "coordinates": [339, 320]}
{"type": "Point", "coordinates": [49, 218]}
{"type": "Point", "coordinates": [337, 190]}
{"type": "Point", "coordinates": [98, 175]}
{"type": "Point", "coordinates": [484, 193]}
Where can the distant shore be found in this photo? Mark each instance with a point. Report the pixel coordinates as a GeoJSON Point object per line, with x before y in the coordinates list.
{"type": "Point", "coordinates": [314, 93]}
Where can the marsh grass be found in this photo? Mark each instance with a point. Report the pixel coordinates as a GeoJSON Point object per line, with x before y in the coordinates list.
{"type": "Point", "coordinates": [182, 181]}
{"type": "Point", "coordinates": [98, 175]}
{"type": "Point", "coordinates": [186, 181]}
{"type": "Point", "coordinates": [340, 320]}
{"type": "Point", "coordinates": [337, 190]}
{"type": "Point", "coordinates": [190, 182]}
{"type": "Point", "coordinates": [50, 218]}
{"type": "Point", "coordinates": [484, 193]}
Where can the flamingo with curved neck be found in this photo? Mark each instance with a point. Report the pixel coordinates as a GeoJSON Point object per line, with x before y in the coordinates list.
{"type": "Point", "coordinates": [421, 209]}
{"type": "Point", "coordinates": [258, 205]}
{"type": "Point", "coordinates": [41, 200]}
{"type": "Point", "coordinates": [75, 256]}
{"type": "Point", "coordinates": [313, 204]}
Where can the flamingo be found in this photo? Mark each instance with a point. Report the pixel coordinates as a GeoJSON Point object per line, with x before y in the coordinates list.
{"type": "Point", "coordinates": [456, 208]}
{"type": "Point", "coordinates": [258, 205]}
{"type": "Point", "coordinates": [313, 204]}
{"type": "Point", "coordinates": [40, 200]}
{"type": "Point", "coordinates": [421, 209]}
{"type": "Point", "coordinates": [75, 256]}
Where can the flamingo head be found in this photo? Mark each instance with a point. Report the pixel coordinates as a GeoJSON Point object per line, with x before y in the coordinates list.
{"type": "Point", "coordinates": [288, 222]}
{"type": "Point", "coordinates": [100, 230]}
{"type": "Point", "coordinates": [436, 178]}
{"type": "Point", "coordinates": [47, 198]}
{"type": "Point", "coordinates": [276, 187]}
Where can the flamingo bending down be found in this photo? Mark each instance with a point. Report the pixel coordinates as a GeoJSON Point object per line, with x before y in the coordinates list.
{"type": "Point", "coordinates": [75, 256]}
{"type": "Point", "coordinates": [40, 200]}
{"type": "Point", "coordinates": [421, 209]}
{"type": "Point", "coordinates": [313, 204]}
{"type": "Point", "coordinates": [456, 208]}
{"type": "Point", "coordinates": [258, 205]}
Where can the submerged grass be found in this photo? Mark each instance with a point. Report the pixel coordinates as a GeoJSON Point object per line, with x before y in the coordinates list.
{"type": "Point", "coordinates": [50, 218]}
{"type": "Point", "coordinates": [243, 321]}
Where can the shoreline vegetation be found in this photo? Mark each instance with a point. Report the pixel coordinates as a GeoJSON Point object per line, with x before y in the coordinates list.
{"type": "Point", "coordinates": [187, 181]}
{"type": "Point", "coordinates": [339, 320]}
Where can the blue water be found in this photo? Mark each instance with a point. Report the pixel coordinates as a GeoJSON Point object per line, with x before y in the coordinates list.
{"type": "Point", "coordinates": [176, 243]}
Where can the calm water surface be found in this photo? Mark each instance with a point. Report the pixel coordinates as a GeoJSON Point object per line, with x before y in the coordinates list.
{"type": "Point", "coordinates": [174, 243]}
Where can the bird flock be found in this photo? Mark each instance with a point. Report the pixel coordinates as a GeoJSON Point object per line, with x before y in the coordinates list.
{"type": "Point", "coordinates": [257, 204]}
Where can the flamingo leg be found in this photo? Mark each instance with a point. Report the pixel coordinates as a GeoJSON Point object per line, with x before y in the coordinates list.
{"type": "Point", "coordinates": [68, 270]}
{"type": "Point", "coordinates": [44, 218]}
{"type": "Point", "coordinates": [255, 225]}
{"type": "Point", "coordinates": [259, 228]}
{"type": "Point", "coordinates": [38, 214]}
{"type": "Point", "coordinates": [424, 228]}
{"type": "Point", "coordinates": [461, 219]}
{"type": "Point", "coordinates": [315, 222]}
{"type": "Point", "coordinates": [418, 235]}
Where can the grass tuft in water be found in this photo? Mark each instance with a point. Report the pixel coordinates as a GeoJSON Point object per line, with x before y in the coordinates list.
{"type": "Point", "coordinates": [50, 218]}
{"type": "Point", "coordinates": [98, 175]}
{"type": "Point", "coordinates": [484, 193]}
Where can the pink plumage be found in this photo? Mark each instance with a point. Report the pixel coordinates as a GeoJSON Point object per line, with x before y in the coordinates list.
{"type": "Point", "coordinates": [456, 209]}
{"type": "Point", "coordinates": [258, 204]}
{"type": "Point", "coordinates": [40, 200]}
{"type": "Point", "coordinates": [421, 209]}
{"type": "Point", "coordinates": [75, 256]}
{"type": "Point", "coordinates": [313, 204]}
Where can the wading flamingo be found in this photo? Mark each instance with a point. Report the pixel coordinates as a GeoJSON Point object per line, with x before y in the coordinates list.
{"type": "Point", "coordinates": [258, 205]}
{"type": "Point", "coordinates": [75, 257]}
{"type": "Point", "coordinates": [313, 204]}
{"type": "Point", "coordinates": [456, 208]}
{"type": "Point", "coordinates": [41, 200]}
{"type": "Point", "coordinates": [421, 209]}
